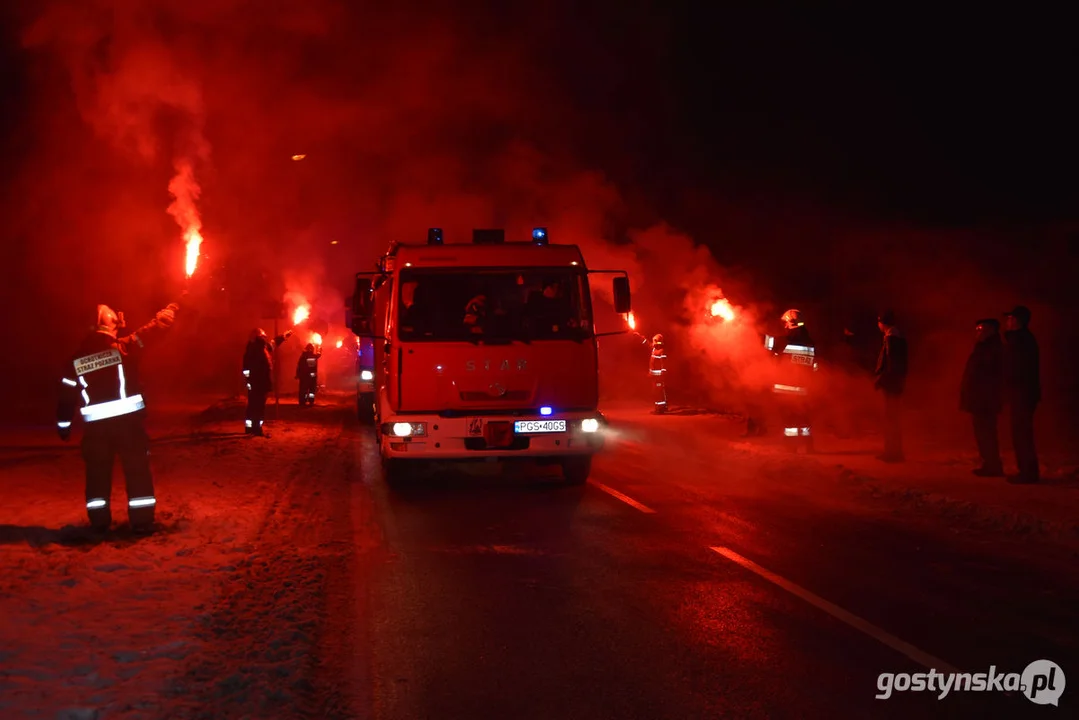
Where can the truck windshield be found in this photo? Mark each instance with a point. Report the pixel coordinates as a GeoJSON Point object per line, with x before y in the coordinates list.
{"type": "Point", "coordinates": [500, 305]}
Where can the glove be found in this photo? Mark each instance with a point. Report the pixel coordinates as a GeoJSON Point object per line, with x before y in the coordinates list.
{"type": "Point", "coordinates": [64, 433]}
{"type": "Point", "coordinates": [288, 334]}
{"type": "Point", "coordinates": [167, 316]}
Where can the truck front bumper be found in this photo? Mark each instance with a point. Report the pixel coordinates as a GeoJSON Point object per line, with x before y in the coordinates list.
{"type": "Point", "coordinates": [431, 437]}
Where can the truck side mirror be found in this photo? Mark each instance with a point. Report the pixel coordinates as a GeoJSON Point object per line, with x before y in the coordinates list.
{"type": "Point", "coordinates": [362, 302]}
{"type": "Point", "coordinates": [622, 303]}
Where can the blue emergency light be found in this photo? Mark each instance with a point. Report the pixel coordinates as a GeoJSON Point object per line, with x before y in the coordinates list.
{"type": "Point", "coordinates": [545, 411]}
{"type": "Point", "coordinates": [539, 236]}
{"type": "Point", "coordinates": [434, 236]}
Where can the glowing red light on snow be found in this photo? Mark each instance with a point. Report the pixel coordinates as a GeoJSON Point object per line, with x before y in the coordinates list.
{"type": "Point", "coordinates": [722, 308]}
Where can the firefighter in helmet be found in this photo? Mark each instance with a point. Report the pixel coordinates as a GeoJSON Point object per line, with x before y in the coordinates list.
{"type": "Point", "coordinates": [657, 373]}
{"type": "Point", "coordinates": [307, 373]}
{"type": "Point", "coordinates": [104, 376]}
{"type": "Point", "coordinates": [258, 369]}
{"type": "Point", "coordinates": [795, 364]}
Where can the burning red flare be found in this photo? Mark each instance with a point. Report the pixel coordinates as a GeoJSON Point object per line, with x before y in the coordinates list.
{"type": "Point", "coordinates": [183, 209]}
{"type": "Point", "coordinates": [722, 308]}
{"type": "Point", "coordinates": [631, 321]}
{"type": "Point", "coordinates": [193, 240]}
{"type": "Point", "coordinates": [302, 313]}
{"type": "Point", "coordinates": [340, 343]}
{"type": "Point", "coordinates": [316, 339]}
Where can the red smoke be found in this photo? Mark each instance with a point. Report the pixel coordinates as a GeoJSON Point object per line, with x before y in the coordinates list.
{"type": "Point", "coordinates": [407, 120]}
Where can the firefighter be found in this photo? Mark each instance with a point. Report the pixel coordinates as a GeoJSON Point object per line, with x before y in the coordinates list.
{"type": "Point", "coordinates": [307, 373]}
{"type": "Point", "coordinates": [796, 358]}
{"type": "Point", "coordinates": [476, 313]}
{"type": "Point", "coordinates": [258, 369]}
{"type": "Point", "coordinates": [104, 375]}
{"type": "Point", "coordinates": [658, 374]}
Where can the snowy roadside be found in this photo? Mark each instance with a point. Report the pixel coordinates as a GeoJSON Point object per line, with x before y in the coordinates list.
{"type": "Point", "coordinates": [219, 614]}
{"type": "Point", "coordinates": [934, 485]}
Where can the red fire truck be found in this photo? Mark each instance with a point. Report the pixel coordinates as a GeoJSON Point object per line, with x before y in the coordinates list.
{"type": "Point", "coordinates": [484, 351]}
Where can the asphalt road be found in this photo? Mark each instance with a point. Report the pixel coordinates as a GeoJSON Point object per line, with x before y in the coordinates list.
{"type": "Point", "coordinates": [687, 579]}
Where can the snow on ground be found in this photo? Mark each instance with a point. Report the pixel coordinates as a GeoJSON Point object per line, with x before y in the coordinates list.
{"type": "Point", "coordinates": [935, 485]}
{"type": "Point", "coordinates": [216, 615]}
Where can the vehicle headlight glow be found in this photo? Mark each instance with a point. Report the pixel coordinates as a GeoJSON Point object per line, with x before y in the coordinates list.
{"type": "Point", "coordinates": [366, 375]}
{"type": "Point", "coordinates": [402, 429]}
{"type": "Point", "coordinates": [589, 425]}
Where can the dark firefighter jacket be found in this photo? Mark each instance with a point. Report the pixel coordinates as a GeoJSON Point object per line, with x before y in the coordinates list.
{"type": "Point", "coordinates": [796, 357]}
{"type": "Point", "coordinates": [102, 379]}
{"type": "Point", "coordinates": [892, 363]}
{"type": "Point", "coordinates": [1022, 375]}
{"type": "Point", "coordinates": [982, 389]}
{"type": "Point", "coordinates": [795, 336]}
{"type": "Point", "coordinates": [307, 365]}
{"type": "Point", "coordinates": [657, 361]}
{"type": "Point", "coordinates": [258, 362]}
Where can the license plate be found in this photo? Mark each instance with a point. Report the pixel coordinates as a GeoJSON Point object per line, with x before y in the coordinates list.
{"type": "Point", "coordinates": [802, 359]}
{"type": "Point", "coordinates": [526, 427]}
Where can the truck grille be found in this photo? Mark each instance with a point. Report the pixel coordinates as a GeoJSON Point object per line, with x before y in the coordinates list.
{"type": "Point", "coordinates": [510, 396]}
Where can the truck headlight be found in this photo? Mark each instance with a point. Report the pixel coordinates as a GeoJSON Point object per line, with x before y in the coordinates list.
{"type": "Point", "coordinates": [589, 425]}
{"type": "Point", "coordinates": [404, 429]}
{"type": "Point", "coordinates": [366, 375]}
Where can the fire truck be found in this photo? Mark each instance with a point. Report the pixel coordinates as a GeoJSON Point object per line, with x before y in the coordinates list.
{"type": "Point", "coordinates": [484, 350]}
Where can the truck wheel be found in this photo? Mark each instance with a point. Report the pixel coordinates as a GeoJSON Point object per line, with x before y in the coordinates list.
{"type": "Point", "coordinates": [365, 408]}
{"type": "Point", "coordinates": [576, 469]}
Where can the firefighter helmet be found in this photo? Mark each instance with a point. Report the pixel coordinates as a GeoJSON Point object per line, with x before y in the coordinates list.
{"type": "Point", "coordinates": [792, 318]}
{"type": "Point", "coordinates": [108, 320]}
{"type": "Point", "coordinates": [657, 339]}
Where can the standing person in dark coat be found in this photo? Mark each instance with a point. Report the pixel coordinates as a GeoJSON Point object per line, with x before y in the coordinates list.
{"type": "Point", "coordinates": [892, 381]}
{"type": "Point", "coordinates": [1023, 390]}
{"type": "Point", "coordinates": [258, 369]}
{"type": "Point", "coordinates": [982, 395]}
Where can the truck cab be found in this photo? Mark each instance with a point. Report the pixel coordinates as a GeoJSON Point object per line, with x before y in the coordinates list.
{"type": "Point", "coordinates": [485, 350]}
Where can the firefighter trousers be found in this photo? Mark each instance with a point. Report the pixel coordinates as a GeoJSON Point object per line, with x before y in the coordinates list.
{"type": "Point", "coordinates": [256, 411]}
{"type": "Point", "coordinates": [659, 394]}
{"type": "Point", "coordinates": [308, 386]}
{"type": "Point", "coordinates": [794, 416]}
{"type": "Point", "coordinates": [101, 443]}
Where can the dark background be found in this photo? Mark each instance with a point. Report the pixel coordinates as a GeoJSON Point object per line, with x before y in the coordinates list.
{"type": "Point", "coordinates": [840, 161]}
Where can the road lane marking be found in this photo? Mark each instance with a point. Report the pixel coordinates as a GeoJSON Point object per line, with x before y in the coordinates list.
{"type": "Point", "coordinates": [922, 658]}
{"type": "Point", "coordinates": [624, 498]}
